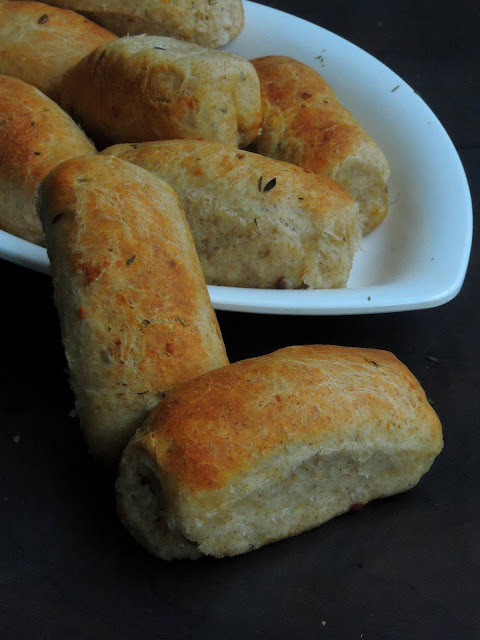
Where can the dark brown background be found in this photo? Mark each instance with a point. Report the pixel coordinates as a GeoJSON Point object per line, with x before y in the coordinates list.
{"type": "Point", "coordinates": [404, 567]}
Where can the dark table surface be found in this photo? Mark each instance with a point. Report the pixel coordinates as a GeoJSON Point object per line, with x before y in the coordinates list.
{"type": "Point", "coordinates": [403, 567]}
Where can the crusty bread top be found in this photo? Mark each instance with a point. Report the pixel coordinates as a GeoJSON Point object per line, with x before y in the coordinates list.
{"type": "Point", "coordinates": [206, 22]}
{"type": "Point", "coordinates": [225, 422]}
{"type": "Point", "coordinates": [211, 162]}
{"type": "Point", "coordinates": [35, 136]}
{"type": "Point", "coordinates": [134, 309]}
{"type": "Point", "coordinates": [38, 43]}
{"type": "Point", "coordinates": [305, 123]}
{"type": "Point", "coordinates": [256, 222]}
{"type": "Point", "coordinates": [295, 98]}
{"type": "Point", "coordinates": [144, 88]}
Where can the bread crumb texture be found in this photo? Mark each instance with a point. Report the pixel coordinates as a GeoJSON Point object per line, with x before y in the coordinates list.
{"type": "Point", "coordinates": [269, 447]}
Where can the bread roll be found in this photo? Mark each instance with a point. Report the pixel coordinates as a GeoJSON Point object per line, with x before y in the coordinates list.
{"type": "Point", "coordinates": [35, 136]}
{"type": "Point", "coordinates": [153, 88]}
{"type": "Point", "coordinates": [208, 23]}
{"type": "Point", "coordinates": [269, 447]}
{"type": "Point", "coordinates": [38, 43]}
{"type": "Point", "coordinates": [304, 123]}
{"type": "Point", "coordinates": [256, 222]}
{"type": "Point", "coordinates": [135, 314]}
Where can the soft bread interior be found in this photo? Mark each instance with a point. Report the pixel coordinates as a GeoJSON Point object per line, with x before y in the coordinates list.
{"type": "Point", "coordinates": [286, 495]}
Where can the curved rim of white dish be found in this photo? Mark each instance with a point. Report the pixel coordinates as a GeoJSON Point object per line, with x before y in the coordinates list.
{"type": "Point", "coordinates": [440, 271]}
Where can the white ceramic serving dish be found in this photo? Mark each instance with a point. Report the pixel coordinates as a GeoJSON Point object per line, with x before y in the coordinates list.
{"type": "Point", "coordinates": [418, 256]}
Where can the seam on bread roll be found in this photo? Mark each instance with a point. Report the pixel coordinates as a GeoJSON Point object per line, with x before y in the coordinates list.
{"type": "Point", "coordinates": [256, 222]}
{"type": "Point", "coordinates": [35, 136]}
{"type": "Point", "coordinates": [134, 309]}
{"type": "Point", "coordinates": [272, 446]}
{"type": "Point", "coordinates": [304, 123]}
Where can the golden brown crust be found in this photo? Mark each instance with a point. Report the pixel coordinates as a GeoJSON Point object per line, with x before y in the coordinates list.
{"type": "Point", "coordinates": [214, 427]}
{"type": "Point", "coordinates": [146, 88]}
{"type": "Point", "coordinates": [35, 136]}
{"type": "Point", "coordinates": [304, 123]}
{"type": "Point", "coordinates": [269, 447]}
{"type": "Point", "coordinates": [39, 43]}
{"type": "Point", "coordinates": [256, 222]}
{"type": "Point", "coordinates": [135, 313]}
{"type": "Point", "coordinates": [210, 24]}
